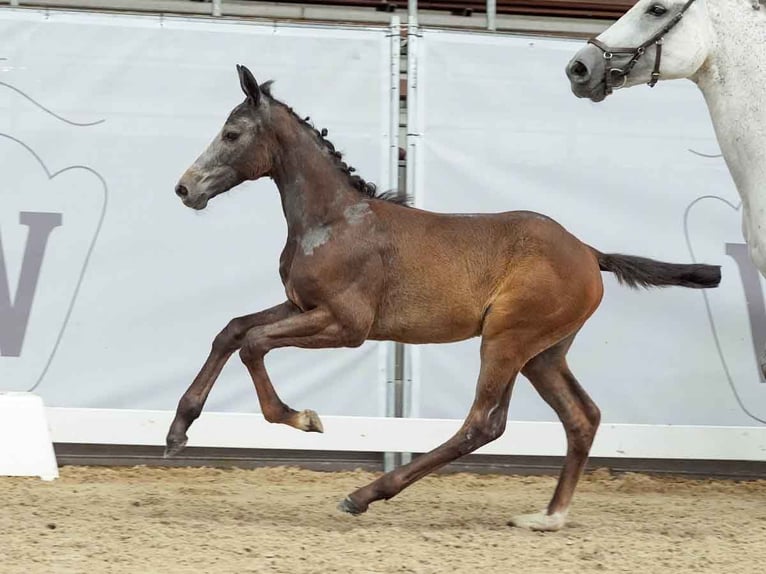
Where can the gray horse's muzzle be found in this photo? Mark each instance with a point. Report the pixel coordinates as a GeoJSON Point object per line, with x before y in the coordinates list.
{"type": "Point", "coordinates": [586, 74]}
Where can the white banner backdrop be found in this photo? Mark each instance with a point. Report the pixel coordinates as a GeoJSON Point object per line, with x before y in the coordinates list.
{"type": "Point", "coordinates": [498, 130]}
{"type": "Point", "coordinates": [115, 290]}
{"type": "Point", "coordinates": [120, 289]}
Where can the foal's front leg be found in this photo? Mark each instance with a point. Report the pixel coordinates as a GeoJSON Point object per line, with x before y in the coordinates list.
{"type": "Point", "coordinates": [226, 342]}
{"type": "Point", "coordinates": [313, 329]}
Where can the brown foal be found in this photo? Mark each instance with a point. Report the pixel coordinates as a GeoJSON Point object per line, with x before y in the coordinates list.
{"type": "Point", "coordinates": [358, 267]}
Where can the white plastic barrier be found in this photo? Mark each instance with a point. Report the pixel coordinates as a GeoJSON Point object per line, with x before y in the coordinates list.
{"type": "Point", "coordinates": [25, 442]}
{"type": "Point", "coordinates": [371, 434]}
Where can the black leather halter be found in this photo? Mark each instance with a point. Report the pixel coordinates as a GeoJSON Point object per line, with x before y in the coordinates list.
{"type": "Point", "coordinates": [611, 72]}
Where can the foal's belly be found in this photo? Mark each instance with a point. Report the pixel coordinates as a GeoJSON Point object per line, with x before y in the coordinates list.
{"type": "Point", "coordinates": [422, 330]}
{"type": "Point", "coordinates": [428, 317]}
{"type": "Point", "coordinates": [442, 278]}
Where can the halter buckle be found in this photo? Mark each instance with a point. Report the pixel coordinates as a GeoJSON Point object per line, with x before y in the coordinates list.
{"type": "Point", "coordinates": [622, 74]}
{"type": "Point", "coordinates": [608, 55]}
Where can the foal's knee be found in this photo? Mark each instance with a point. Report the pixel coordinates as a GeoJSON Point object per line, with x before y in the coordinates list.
{"type": "Point", "coordinates": [230, 337]}
{"type": "Point", "coordinates": [190, 408]}
{"type": "Point", "coordinates": [253, 348]}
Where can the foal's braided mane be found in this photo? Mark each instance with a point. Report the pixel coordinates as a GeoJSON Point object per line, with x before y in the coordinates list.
{"type": "Point", "coordinates": [364, 187]}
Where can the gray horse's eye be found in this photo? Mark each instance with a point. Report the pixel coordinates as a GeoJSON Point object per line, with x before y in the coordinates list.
{"type": "Point", "coordinates": [657, 10]}
{"type": "Point", "coordinates": [230, 136]}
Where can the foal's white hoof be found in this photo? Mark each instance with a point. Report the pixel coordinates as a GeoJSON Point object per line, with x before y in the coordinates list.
{"type": "Point", "coordinates": [308, 421]}
{"type": "Point", "coordinates": [539, 521]}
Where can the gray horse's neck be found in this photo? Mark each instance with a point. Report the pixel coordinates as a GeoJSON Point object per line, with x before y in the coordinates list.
{"type": "Point", "coordinates": [733, 81]}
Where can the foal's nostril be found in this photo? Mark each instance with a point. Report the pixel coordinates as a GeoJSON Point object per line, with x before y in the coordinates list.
{"type": "Point", "coordinates": [578, 71]}
{"type": "Point", "coordinates": [181, 190]}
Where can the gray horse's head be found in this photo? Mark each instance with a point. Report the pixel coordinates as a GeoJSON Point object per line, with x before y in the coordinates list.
{"type": "Point", "coordinates": [684, 32]}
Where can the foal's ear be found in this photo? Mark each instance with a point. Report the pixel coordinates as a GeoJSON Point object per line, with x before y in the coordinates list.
{"type": "Point", "coordinates": [249, 85]}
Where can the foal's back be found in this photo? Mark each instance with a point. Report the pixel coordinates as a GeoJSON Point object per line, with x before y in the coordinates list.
{"type": "Point", "coordinates": [444, 271]}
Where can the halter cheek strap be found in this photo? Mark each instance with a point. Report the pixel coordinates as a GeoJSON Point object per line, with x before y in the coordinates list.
{"type": "Point", "coordinates": [636, 53]}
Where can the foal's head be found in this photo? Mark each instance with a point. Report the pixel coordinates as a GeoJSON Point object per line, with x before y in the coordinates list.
{"type": "Point", "coordinates": [242, 150]}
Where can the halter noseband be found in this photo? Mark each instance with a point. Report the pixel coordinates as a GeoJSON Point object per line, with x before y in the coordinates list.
{"type": "Point", "coordinates": [636, 54]}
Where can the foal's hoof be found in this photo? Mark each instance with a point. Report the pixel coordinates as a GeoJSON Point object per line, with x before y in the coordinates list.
{"type": "Point", "coordinates": [174, 446]}
{"type": "Point", "coordinates": [348, 505]}
{"type": "Point", "coordinates": [308, 421]}
{"type": "Point", "coordinates": [539, 521]}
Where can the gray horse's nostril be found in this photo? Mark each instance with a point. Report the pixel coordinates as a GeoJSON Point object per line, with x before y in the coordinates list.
{"type": "Point", "coordinates": [181, 190]}
{"type": "Point", "coordinates": [578, 72]}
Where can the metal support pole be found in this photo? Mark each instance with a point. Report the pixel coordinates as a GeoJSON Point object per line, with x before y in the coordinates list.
{"type": "Point", "coordinates": [395, 36]}
{"type": "Point", "coordinates": [492, 15]}
{"type": "Point", "coordinates": [412, 100]}
{"type": "Point", "coordinates": [395, 392]}
{"type": "Point", "coordinates": [399, 380]}
{"type": "Point", "coordinates": [217, 11]}
{"type": "Point", "coordinates": [412, 13]}
{"type": "Point", "coordinates": [402, 398]}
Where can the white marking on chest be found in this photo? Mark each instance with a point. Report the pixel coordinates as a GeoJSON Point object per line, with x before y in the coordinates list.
{"type": "Point", "coordinates": [314, 238]}
{"type": "Point", "coordinates": [356, 213]}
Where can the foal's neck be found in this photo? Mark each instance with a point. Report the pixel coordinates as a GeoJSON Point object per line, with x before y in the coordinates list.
{"type": "Point", "coordinates": [315, 192]}
{"type": "Point", "coordinates": [733, 82]}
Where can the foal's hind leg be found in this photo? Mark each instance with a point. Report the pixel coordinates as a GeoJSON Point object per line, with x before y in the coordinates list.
{"type": "Point", "coordinates": [485, 422]}
{"type": "Point", "coordinates": [550, 375]}
{"type": "Point", "coordinates": [224, 345]}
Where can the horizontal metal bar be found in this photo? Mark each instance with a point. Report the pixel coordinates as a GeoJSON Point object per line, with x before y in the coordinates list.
{"type": "Point", "coordinates": [127, 455]}
{"type": "Point", "coordinates": [576, 27]}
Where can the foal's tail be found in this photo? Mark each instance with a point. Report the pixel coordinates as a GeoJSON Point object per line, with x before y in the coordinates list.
{"type": "Point", "coordinates": [638, 272]}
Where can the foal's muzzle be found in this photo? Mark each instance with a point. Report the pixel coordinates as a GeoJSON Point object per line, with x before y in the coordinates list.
{"type": "Point", "coordinates": [188, 190]}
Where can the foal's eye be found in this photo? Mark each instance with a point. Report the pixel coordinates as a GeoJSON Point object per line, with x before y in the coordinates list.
{"type": "Point", "coordinates": [230, 136]}
{"type": "Point", "coordinates": [657, 10]}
